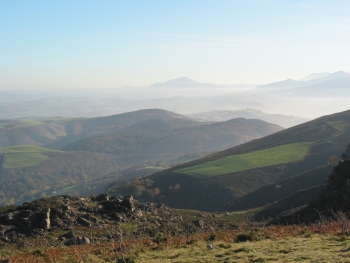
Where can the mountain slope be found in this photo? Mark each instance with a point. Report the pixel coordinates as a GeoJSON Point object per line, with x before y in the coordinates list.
{"type": "Point", "coordinates": [315, 76]}
{"type": "Point", "coordinates": [172, 142]}
{"type": "Point", "coordinates": [56, 132]}
{"type": "Point", "coordinates": [28, 172]}
{"type": "Point", "coordinates": [326, 135]}
{"type": "Point", "coordinates": [224, 115]}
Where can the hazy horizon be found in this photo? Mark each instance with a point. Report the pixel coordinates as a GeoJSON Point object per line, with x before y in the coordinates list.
{"type": "Point", "coordinates": [111, 44]}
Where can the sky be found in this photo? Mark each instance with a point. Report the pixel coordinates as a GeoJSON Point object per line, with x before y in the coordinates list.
{"type": "Point", "coordinates": [99, 44]}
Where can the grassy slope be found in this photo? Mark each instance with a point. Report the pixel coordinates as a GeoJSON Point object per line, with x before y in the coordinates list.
{"type": "Point", "coordinates": [307, 248]}
{"type": "Point", "coordinates": [23, 156]}
{"type": "Point", "coordinates": [330, 134]}
{"type": "Point", "coordinates": [20, 160]}
{"type": "Point", "coordinates": [272, 156]}
{"type": "Point", "coordinates": [20, 124]}
{"type": "Point", "coordinates": [283, 188]}
{"type": "Point", "coordinates": [25, 149]}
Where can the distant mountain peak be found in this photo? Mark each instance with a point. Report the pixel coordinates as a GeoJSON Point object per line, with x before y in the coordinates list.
{"type": "Point", "coordinates": [283, 83]}
{"type": "Point", "coordinates": [340, 73]}
{"type": "Point", "coordinates": [326, 75]}
{"type": "Point", "coordinates": [178, 82]}
{"type": "Point", "coordinates": [315, 76]}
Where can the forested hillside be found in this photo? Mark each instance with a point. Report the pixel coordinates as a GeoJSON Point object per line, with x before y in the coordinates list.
{"type": "Point", "coordinates": [224, 179]}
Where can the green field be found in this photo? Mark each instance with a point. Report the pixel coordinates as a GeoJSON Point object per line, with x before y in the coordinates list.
{"type": "Point", "coordinates": [153, 168]}
{"type": "Point", "coordinates": [25, 149]}
{"type": "Point", "coordinates": [23, 156]}
{"type": "Point", "coordinates": [339, 125]}
{"type": "Point", "coordinates": [69, 189]}
{"type": "Point", "coordinates": [19, 160]}
{"type": "Point", "coordinates": [240, 162]}
{"type": "Point", "coordinates": [20, 124]}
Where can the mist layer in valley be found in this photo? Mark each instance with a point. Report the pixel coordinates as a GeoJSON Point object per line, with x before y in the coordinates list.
{"type": "Point", "coordinates": [316, 95]}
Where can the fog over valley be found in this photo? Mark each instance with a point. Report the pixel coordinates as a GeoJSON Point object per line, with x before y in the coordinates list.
{"type": "Point", "coordinates": [174, 131]}
{"type": "Point", "coordinates": [329, 93]}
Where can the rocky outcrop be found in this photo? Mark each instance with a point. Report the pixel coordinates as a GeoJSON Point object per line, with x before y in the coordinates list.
{"type": "Point", "coordinates": [65, 212]}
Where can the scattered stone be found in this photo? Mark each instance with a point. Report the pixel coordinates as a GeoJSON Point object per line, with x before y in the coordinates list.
{"type": "Point", "coordinates": [128, 202]}
{"type": "Point", "coordinates": [66, 207]}
{"type": "Point", "coordinates": [102, 197]}
{"type": "Point", "coordinates": [210, 246]}
{"type": "Point", "coordinates": [82, 221]}
{"type": "Point", "coordinates": [46, 221]}
{"type": "Point", "coordinates": [35, 219]}
{"type": "Point", "coordinates": [199, 223]}
{"type": "Point", "coordinates": [90, 218]}
{"type": "Point", "coordinates": [85, 241]}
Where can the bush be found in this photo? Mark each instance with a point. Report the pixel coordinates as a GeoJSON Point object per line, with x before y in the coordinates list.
{"type": "Point", "coordinates": [250, 236]}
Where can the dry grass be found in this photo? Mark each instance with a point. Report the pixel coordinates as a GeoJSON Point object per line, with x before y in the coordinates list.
{"type": "Point", "coordinates": [326, 241]}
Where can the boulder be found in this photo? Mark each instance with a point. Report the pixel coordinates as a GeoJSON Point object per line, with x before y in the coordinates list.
{"type": "Point", "coordinates": [90, 218]}
{"type": "Point", "coordinates": [74, 239]}
{"type": "Point", "coordinates": [46, 220]}
{"type": "Point", "coordinates": [102, 197]}
{"type": "Point", "coordinates": [82, 221]}
{"type": "Point", "coordinates": [128, 203]}
{"type": "Point", "coordinates": [85, 241]}
{"type": "Point", "coordinates": [199, 223]}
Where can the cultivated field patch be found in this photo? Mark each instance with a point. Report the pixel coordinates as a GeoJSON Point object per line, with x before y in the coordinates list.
{"type": "Point", "coordinates": [25, 149]}
{"type": "Point", "coordinates": [19, 160]}
{"type": "Point", "coordinates": [20, 124]}
{"type": "Point", "coordinates": [240, 162]}
{"type": "Point", "coordinates": [23, 156]}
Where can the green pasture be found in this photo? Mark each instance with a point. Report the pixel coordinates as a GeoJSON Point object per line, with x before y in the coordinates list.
{"type": "Point", "coordinates": [240, 162]}
{"type": "Point", "coordinates": [339, 125]}
{"type": "Point", "coordinates": [153, 168]}
{"type": "Point", "coordinates": [20, 124]}
{"type": "Point", "coordinates": [25, 149]}
{"type": "Point", "coordinates": [23, 155]}
{"type": "Point", "coordinates": [19, 160]}
{"type": "Point", "coordinates": [69, 189]}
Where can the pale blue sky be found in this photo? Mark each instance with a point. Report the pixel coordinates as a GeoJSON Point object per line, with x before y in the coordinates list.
{"type": "Point", "coordinates": [104, 44]}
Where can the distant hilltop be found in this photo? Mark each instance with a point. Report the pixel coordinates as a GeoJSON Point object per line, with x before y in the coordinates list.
{"type": "Point", "coordinates": [323, 83]}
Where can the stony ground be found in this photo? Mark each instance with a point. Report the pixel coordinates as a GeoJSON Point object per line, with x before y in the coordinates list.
{"type": "Point", "coordinates": [123, 230]}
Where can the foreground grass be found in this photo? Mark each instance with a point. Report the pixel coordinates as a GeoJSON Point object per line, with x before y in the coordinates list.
{"type": "Point", "coordinates": [240, 162]}
{"type": "Point", "coordinates": [326, 241]}
{"type": "Point", "coordinates": [305, 248]}
{"type": "Point", "coordinates": [316, 248]}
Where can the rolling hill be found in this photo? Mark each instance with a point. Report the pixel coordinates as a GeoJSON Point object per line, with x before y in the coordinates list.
{"type": "Point", "coordinates": [95, 147]}
{"type": "Point", "coordinates": [224, 115]}
{"type": "Point", "coordinates": [156, 139]}
{"type": "Point", "coordinates": [226, 178]}
{"type": "Point", "coordinates": [55, 132]}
